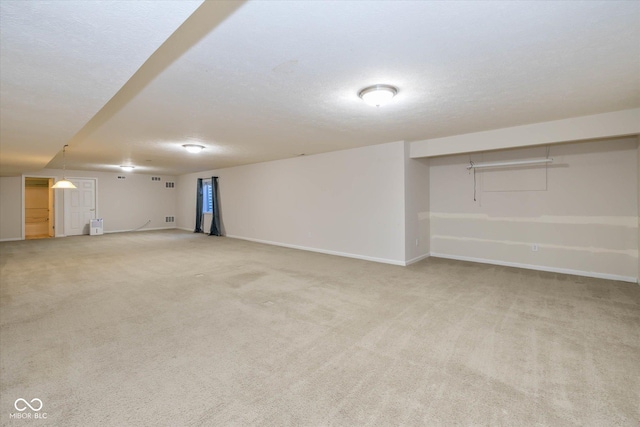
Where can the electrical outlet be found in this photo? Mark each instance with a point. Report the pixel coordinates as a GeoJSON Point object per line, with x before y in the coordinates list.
{"type": "Point", "coordinates": [534, 247]}
{"type": "Point", "coordinates": [417, 242]}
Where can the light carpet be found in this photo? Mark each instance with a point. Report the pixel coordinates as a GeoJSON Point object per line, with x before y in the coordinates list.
{"type": "Point", "coordinates": [173, 328]}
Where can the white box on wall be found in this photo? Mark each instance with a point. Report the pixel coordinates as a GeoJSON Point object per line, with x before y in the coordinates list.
{"type": "Point", "coordinates": [96, 227]}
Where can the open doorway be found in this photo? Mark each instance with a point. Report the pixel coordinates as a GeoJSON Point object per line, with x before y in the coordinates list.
{"type": "Point", "coordinates": [38, 208]}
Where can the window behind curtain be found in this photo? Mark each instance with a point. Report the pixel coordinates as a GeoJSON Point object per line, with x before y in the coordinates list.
{"type": "Point", "coordinates": [207, 200]}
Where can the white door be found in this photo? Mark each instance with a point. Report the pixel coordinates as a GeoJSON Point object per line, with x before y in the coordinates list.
{"type": "Point", "coordinates": [79, 206]}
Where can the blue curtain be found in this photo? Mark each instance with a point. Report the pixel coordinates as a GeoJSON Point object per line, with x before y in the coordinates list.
{"type": "Point", "coordinates": [198, 228]}
{"type": "Point", "coordinates": [215, 220]}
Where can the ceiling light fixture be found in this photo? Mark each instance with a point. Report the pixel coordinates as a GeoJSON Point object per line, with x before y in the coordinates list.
{"type": "Point", "coordinates": [193, 148]}
{"type": "Point", "coordinates": [127, 168]}
{"type": "Point", "coordinates": [378, 95]}
{"type": "Point", "coordinates": [64, 183]}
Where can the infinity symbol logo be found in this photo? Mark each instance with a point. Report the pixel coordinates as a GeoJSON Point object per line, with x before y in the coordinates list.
{"type": "Point", "coordinates": [24, 408]}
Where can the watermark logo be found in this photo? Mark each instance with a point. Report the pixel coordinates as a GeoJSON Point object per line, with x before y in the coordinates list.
{"type": "Point", "coordinates": [34, 405]}
{"type": "Point", "coordinates": [22, 405]}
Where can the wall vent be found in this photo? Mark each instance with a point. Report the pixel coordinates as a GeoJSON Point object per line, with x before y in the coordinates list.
{"type": "Point", "coordinates": [169, 219]}
{"type": "Point", "coordinates": [169, 184]}
{"type": "Point", "coordinates": [155, 178]}
{"type": "Point", "coordinates": [122, 177]}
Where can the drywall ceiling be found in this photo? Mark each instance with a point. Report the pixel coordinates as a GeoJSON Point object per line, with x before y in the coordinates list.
{"type": "Point", "coordinates": [279, 79]}
{"type": "Point", "coordinates": [61, 62]}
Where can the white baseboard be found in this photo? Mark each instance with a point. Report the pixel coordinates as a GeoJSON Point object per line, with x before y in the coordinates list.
{"type": "Point", "coordinates": [539, 268]}
{"type": "Point", "coordinates": [322, 251]}
{"type": "Point", "coordinates": [205, 232]}
{"type": "Point", "coordinates": [142, 229]}
{"type": "Point", "coordinates": [15, 239]}
{"type": "Point", "coordinates": [416, 259]}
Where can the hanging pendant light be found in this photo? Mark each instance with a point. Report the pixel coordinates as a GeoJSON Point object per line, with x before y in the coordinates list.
{"type": "Point", "coordinates": [64, 183]}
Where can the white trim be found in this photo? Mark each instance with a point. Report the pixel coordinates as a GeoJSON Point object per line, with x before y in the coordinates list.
{"type": "Point", "coordinates": [416, 259]}
{"type": "Point", "coordinates": [142, 229]}
{"type": "Point", "coordinates": [539, 268]}
{"type": "Point", "coordinates": [185, 229]}
{"type": "Point", "coordinates": [16, 239]}
{"type": "Point", "coordinates": [322, 251]}
{"type": "Point", "coordinates": [23, 227]}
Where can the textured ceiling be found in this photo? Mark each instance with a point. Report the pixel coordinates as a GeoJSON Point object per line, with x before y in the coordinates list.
{"type": "Point", "coordinates": [61, 62]}
{"type": "Point", "coordinates": [278, 79]}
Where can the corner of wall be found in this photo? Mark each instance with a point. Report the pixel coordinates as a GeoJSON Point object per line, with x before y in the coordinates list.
{"type": "Point", "coordinates": [416, 205]}
{"type": "Point", "coordinates": [10, 208]}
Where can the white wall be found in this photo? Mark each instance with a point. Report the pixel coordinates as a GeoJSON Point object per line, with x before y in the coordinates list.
{"type": "Point", "coordinates": [10, 208]}
{"type": "Point", "coordinates": [584, 222]}
{"type": "Point", "coordinates": [417, 239]}
{"type": "Point", "coordinates": [372, 202]}
{"type": "Point", "coordinates": [346, 202]}
{"type": "Point", "coordinates": [123, 204]}
{"type": "Point", "coordinates": [597, 126]}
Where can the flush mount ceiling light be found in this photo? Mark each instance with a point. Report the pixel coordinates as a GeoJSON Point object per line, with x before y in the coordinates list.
{"type": "Point", "coordinates": [193, 148]}
{"type": "Point", "coordinates": [127, 168]}
{"type": "Point", "coordinates": [378, 95]}
{"type": "Point", "coordinates": [64, 183]}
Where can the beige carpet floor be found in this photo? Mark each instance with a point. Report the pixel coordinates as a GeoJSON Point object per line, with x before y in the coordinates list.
{"type": "Point", "coordinates": [171, 328]}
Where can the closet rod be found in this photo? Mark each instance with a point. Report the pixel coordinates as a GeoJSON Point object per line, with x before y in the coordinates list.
{"type": "Point", "coordinates": [505, 164]}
